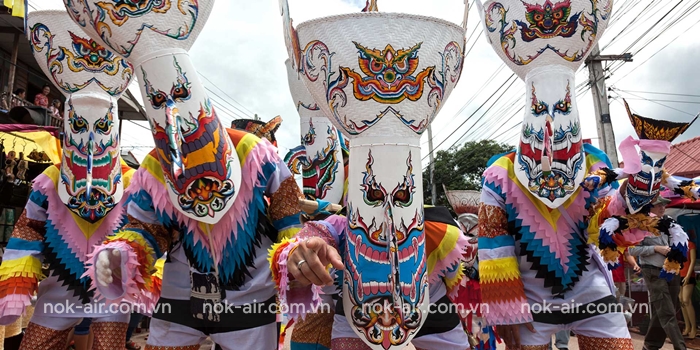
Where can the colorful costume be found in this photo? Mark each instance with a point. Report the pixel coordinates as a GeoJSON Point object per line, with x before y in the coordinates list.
{"type": "Point", "coordinates": [200, 195]}
{"type": "Point", "coordinates": [622, 223]}
{"type": "Point", "coordinates": [75, 204]}
{"type": "Point", "coordinates": [535, 261]}
{"type": "Point", "coordinates": [381, 86]}
{"type": "Point", "coordinates": [445, 244]}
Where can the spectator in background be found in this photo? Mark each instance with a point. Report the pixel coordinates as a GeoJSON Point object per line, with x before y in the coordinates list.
{"type": "Point", "coordinates": [42, 99]}
{"type": "Point", "coordinates": [662, 294]}
{"type": "Point", "coordinates": [17, 99]}
{"type": "Point", "coordinates": [55, 109]}
{"type": "Point", "coordinates": [687, 288]}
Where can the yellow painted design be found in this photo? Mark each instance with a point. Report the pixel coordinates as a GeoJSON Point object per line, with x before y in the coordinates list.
{"type": "Point", "coordinates": [26, 266]}
{"type": "Point", "coordinates": [496, 270]}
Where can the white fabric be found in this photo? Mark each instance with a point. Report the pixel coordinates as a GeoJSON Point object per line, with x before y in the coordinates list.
{"type": "Point", "coordinates": [257, 289]}
{"type": "Point", "coordinates": [163, 333]}
{"type": "Point", "coordinates": [53, 301]}
{"type": "Point", "coordinates": [601, 326]}
{"type": "Point", "coordinates": [62, 323]}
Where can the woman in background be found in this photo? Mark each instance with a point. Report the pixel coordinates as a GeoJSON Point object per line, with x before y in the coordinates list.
{"type": "Point", "coordinates": [42, 99]}
{"type": "Point", "coordinates": [687, 287]}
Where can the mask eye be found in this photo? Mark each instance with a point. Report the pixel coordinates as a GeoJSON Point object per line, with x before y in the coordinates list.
{"type": "Point", "coordinates": [103, 126]}
{"type": "Point", "coordinates": [562, 107]}
{"type": "Point", "coordinates": [180, 93]}
{"type": "Point", "coordinates": [78, 124]}
{"type": "Point", "coordinates": [558, 15]}
{"type": "Point", "coordinates": [158, 100]}
{"type": "Point", "coordinates": [660, 163]}
{"type": "Point", "coordinates": [539, 108]}
{"type": "Point", "coordinates": [375, 196]}
{"type": "Point", "coordinates": [402, 198]}
{"type": "Point", "coordinates": [646, 160]}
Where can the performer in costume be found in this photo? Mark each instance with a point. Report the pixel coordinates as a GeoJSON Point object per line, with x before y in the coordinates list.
{"type": "Point", "coordinates": [319, 159]}
{"type": "Point", "coordinates": [445, 246]}
{"type": "Point", "coordinates": [199, 195]}
{"type": "Point", "coordinates": [75, 204]}
{"type": "Point", "coordinates": [623, 219]}
{"type": "Point", "coordinates": [533, 214]}
{"type": "Point", "coordinates": [345, 66]}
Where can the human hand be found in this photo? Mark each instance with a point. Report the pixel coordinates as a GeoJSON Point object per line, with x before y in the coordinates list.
{"type": "Point", "coordinates": [308, 262]}
{"type": "Point", "coordinates": [636, 268]}
{"type": "Point", "coordinates": [511, 334]}
{"type": "Point", "coordinates": [663, 250]}
{"type": "Point", "coordinates": [685, 281]}
{"type": "Point", "coordinates": [108, 264]}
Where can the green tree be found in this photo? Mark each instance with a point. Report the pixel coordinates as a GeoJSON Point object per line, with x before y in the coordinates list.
{"type": "Point", "coordinates": [461, 168]}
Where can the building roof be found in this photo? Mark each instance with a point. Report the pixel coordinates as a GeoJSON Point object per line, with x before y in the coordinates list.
{"type": "Point", "coordinates": [684, 159]}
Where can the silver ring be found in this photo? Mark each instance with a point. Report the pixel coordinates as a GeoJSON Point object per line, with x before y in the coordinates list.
{"type": "Point", "coordinates": [299, 264]}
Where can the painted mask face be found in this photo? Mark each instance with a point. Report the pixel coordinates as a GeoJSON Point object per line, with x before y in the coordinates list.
{"type": "Point", "coordinates": [321, 164]}
{"type": "Point", "coordinates": [92, 78]}
{"type": "Point", "coordinates": [550, 160]}
{"type": "Point", "coordinates": [199, 162]}
{"type": "Point", "coordinates": [385, 290]}
{"type": "Point", "coordinates": [644, 186]}
{"type": "Point", "coordinates": [90, 170]}
{"type": "Point", "coordinates": [132, 29]}
{"type": "Point", "coordinates": [527, 34]}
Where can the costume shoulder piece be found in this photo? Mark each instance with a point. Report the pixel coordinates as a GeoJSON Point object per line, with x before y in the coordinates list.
{"type": "Point", "coordinates": [232, 238]}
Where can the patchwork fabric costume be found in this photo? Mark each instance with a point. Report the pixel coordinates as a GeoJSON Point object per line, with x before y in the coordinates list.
{"type": "Point", "coordinates": [75, 204]}
{"type": "Point", "coordinates": [259, 128]}
{"type": "Point", "coordinates": [200, 195]}
{"type": "Point", "coordinates": [622, 222]}
{"type": "Point", "coordinates": [233, 251]}
{"type": "Point", "coordinates": [536, 263]}
{"type": "Point", "coordinates": [381, 86]}
{"type": "Point", "coordinates": [445, 246]}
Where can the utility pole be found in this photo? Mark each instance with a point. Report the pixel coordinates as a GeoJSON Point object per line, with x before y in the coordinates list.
{"type": "Point", "coordinates": [433, 188]}
{"type": "Point", "coordinates": [606, 135]}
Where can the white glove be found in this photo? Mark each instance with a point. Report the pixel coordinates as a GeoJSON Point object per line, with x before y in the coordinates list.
{"type": "Point", "coordinates": [109, 264]}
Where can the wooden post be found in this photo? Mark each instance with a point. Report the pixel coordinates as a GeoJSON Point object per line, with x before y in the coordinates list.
{"type": "Point", "coordinates": [13, 69]}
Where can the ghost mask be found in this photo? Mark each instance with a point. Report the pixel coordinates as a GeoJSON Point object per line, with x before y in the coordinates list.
{"type": "Point", "coordinates": [90, 168]}
{"type": "Point", "coordinates": [92, 78]}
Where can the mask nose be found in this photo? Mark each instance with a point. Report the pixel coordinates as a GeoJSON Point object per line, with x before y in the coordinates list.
{"type": "Point", "coordinates": [546, 160]}
{"type": "Point", "coordinates": [90, 155]}
{"type": "Point", "coordinates": [173, 127]}
{"type": "Point", "coordinates": [651, 181]}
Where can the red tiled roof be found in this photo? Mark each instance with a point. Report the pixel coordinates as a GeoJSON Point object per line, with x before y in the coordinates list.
{"type": "Point", "coordinates": [684, 159]}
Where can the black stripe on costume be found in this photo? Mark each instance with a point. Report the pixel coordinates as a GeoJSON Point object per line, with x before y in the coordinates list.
{"type": "Point", "coordinates": [232, 319]}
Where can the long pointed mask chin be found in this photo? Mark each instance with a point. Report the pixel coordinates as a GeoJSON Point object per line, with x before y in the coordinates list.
{"type": "Point", "coordinates": [91, 178]}
{"type": "Point", "coordinates": [201, 169]}
{"type": "Point", "coordinates": [550, 161]}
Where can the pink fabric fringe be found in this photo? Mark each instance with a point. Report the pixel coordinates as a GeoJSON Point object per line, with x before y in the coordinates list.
{"type": "Point", "coordinates": [60, 216]}
{"type": "Point", "coordinates": [12, 306]}
{"type": "Point", "coordinates": [307, 298]}
{"type": "Point", "coordinates": [453, 257]}
{"type": "Point", "coordinates": [221, 232]}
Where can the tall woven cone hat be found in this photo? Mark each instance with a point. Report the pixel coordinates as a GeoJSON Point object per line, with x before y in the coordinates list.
{"type": "Point", "coordinates": [136, 29]}
{"type": "Point", "coordinates": [92, 78]}
{"type": "Point", "coordinates": [381, 78]}
{"type": "Point", "coordinates": [198, 159]}
{"type": "Point", "coordinates": [544, 42]}
{"type": "Point", "coordinates": [321, 163]}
